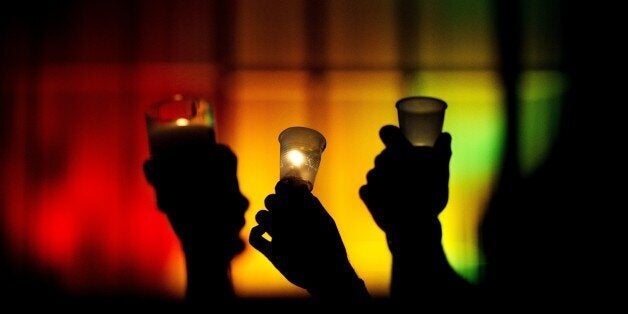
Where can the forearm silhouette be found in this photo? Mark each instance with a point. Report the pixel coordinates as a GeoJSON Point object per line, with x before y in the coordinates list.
{"type": "Point", "coordinates": [405, 192]}
{"type": "Point", "coordinates": [306, 246]}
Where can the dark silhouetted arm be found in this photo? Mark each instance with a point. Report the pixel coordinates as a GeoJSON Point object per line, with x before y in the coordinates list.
{"type": "Point", "coordinates": [405, 192]}
{"type": "Point", "coordinates": [306, 246]}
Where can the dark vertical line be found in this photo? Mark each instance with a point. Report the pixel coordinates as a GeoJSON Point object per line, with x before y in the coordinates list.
{"type": "Point", "coordinates": [224, 27]}
{"type": "Point", "coordinates": [132, 19]}
{"type": "Point", "coordinates": [509, 47]}
{"type": "Point", "coordinates": [7, 96]}
{"type": "Point", "coordinates": [571, 35]}
{"type": "Point", "coordinates": [316, 21]}
{"type": "Point", "coordinates": [7, 64]}
{"type": "Point", "coordinates": [407, 32]}
{"type": "Point", "coordinates": [504, 205]}
{"type": "Point", "coordinates": [129, 86]}
{"type": "Point", "coordinates": [34, 155]}
{"type": "Point", "coordinates": [317, 102]}
{"type": "Point", "coordinates": [315, 34]}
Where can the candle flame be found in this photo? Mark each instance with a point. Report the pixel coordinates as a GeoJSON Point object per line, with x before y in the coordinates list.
{"type": "Point", "coordinates": [182, 122]}
{"type": "Point", "coordinates": [296, 157]}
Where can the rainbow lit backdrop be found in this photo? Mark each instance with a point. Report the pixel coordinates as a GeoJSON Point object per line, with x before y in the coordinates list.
{"type": "Point", "coordinates": [79, 209]}
{"type": "Point", "coordinates": [358, 105]}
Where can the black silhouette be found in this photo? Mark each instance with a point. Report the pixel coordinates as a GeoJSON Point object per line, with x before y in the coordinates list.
{"type": "Point", "coordinates": [306, 246]}
{"type": "Point", "coordinates": [197, 188]}
{"type": "Point", "coordinates": [547, 231]}
{"type": "Point", "coordinates": [405, 192]}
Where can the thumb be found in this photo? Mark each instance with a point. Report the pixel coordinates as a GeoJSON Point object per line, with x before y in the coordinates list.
{"type": "Point", "coordinates": [442, 147]}
{"type": "Point", "coordinates": [392, 137]}
{"type": "Point", "coordinates": [259, 243]}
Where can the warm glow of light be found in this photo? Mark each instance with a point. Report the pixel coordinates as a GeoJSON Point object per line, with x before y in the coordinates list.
{"type": "Point", "coordinates": [296, 157]}
{"type": "Point", "coordinates": [175, 276]}
{"type": "Point", "coordinates": [475, 119]}
{"type": "Point", "coordinates": [76, 206]}
{"type": "Point", "coordinates": [358, 104]}
{"type": "Point", "coordinates": [182, 122]}
{"type": "Point", "coordinates": [89, 219]}
{"type": "Point", "coordinates": [120, 230]}
{"type": "Point", "coordinates": [264, 104]}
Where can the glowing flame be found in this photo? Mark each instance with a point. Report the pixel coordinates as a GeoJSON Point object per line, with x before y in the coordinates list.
{"type": "Point", "coordinates": [296, 157]}
{"type": "Point", "coordinates": [182, 122]}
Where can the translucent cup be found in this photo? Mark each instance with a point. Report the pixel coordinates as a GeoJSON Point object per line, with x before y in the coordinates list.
{"type": "Point", "coordinates": [421, 119]}
{"type": "Point", "coordinates": [179, 124]}
{"type": "Point", "coordinates": [300, 153]}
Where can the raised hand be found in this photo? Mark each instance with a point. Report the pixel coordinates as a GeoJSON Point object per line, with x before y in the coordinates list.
{"type": "Point", "coordinates": [409, 184]}
{"type": "Point", "coordinates": [405, 192]}
{"type": "Point", "coordinates": [306, 246]}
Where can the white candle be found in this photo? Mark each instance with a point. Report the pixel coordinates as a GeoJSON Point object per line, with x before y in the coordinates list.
{"type": "Point", "coordinates": [179, 125]}
{"type": "Point", "coordinates": [178, 137]}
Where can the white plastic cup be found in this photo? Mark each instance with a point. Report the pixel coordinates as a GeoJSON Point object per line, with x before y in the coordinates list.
{"type": "Point", "coordinates": [421, 119]}
{"type": "Point", "coordinates": [300, 153]}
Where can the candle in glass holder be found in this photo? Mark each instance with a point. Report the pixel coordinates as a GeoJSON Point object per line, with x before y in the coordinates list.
{"type": "Point", "coordinates": [300, 154]}
{"type": "Point", "coordinates": [179, 125]}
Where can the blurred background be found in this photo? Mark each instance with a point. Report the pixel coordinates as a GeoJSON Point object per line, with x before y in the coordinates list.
{"type": "Point", "coordinates": [77, 216]}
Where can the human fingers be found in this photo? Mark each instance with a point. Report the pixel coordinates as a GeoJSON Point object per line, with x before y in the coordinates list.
{"type": "Point", "coordinates": [393, 138]}
{"type": "Point", "coordinates": [257, 240]}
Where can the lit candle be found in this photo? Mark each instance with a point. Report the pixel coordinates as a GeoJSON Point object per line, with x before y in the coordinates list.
{"type": "Point", "coordinates": [179, 125]}
{"type": "Point", "coordinates": [295, 157]}
{"type": "Point", "coordinates": [300, 154]}
{"type": "Point", "coordinates": [168, 139]}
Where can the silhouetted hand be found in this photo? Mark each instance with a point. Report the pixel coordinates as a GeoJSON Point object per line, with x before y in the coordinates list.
{"type": "Point", "coordinates": [409, 185]}
{"type": "Point", "coordinates": [405, 192]}
{"type": "Point", "coordinates": [306, 246]}
{"type": "Point", "coordinates": [198, 190]}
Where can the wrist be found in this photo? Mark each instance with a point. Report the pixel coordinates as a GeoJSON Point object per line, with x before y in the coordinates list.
{"type": "Point", "coordinates": [425, 236]}
{"type": "Point", "coordinates": [346, 286]}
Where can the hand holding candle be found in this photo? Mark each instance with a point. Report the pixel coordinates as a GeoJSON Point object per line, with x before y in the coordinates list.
{"type": "Point", "coordinates": [305, 245]}
{"type": "Point", "coordinates": [300, 154]}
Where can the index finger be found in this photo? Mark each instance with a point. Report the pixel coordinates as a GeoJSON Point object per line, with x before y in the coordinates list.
{"type": "Point", "coordinates": [393, 137]}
